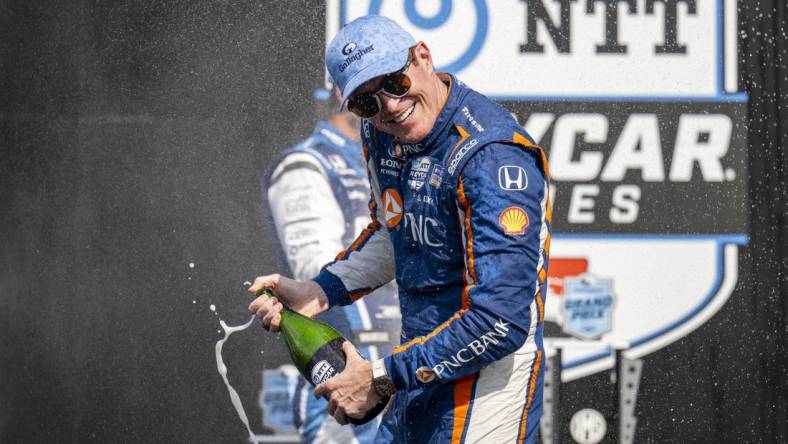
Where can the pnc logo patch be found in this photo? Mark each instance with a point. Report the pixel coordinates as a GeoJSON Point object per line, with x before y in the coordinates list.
{"type": "Point", "coordinates": [513, 220]}
{"type": "Point", "coordinates": [392, 207]}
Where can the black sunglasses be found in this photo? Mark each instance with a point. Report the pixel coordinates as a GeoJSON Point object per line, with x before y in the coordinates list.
{"type": "Point", "coordinates": [395, 84]}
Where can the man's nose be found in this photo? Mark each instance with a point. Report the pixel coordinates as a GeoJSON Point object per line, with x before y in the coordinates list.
{"type": "Point", "coordinates": [388, 103]}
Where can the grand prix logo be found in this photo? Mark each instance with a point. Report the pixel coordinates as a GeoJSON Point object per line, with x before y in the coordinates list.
{"type": "Point", "coordinates": [641, 292]}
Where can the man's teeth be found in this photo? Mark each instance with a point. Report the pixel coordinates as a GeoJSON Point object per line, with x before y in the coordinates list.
{"type": "Point", "coordinates": [404, 115]}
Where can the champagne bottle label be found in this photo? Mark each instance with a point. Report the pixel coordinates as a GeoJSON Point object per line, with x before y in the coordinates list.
{"type": "Point", "coordinates": [327, 362]}
{"type": "Point", "coordinates": [322, 371]}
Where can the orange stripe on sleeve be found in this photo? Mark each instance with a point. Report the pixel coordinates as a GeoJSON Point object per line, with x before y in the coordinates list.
{"type": "Point", "coordinates": [463, 136]}
{"type": "Point", "coordinates": [463, 133]}
{"type": "Point", "coordinates": [423, 339]}
{"type": "Point", "coordinates": [468, 232]}
{"type": "Point", "coordinates": [366, 234]}
{"type": "Point", "coordinates": [462, 401]}
{"type": "Point", "coordinates": [530, 398]}
{"type": "Point", "coordinates": [371, 228]}
{"type": "Point", "coordinates": [544, 163]}
{"type": "Point", "coordinates": [522, 140]}
{"type": "Point", "coordinates": [356, 295]}
{"type": "Point", "coordinates": [466, 299]}
{"type": "Point", "coordinates": [547, 244]}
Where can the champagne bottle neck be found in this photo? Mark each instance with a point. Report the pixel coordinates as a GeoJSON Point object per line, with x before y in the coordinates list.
{"type": "Point", "coordinates": [286, 312]}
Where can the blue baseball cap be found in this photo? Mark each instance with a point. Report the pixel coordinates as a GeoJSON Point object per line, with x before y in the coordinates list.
{"type": "Point", "coordinates": [365, 48]}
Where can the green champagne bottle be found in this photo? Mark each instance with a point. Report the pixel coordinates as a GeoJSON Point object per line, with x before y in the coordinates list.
{"type": "Point", "coordinates": [316, 350]}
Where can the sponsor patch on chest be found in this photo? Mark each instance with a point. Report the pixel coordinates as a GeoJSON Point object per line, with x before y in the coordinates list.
{"type": "Point", "coordinates": [418, 174]}
{"type": "Point", "coordinates": [437, 175]}
{"type": "Point", "coordinates": [392, 207]}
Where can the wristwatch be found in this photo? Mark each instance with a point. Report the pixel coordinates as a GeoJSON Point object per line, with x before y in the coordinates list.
{"type": "Point", "coordinates": [381, 381]}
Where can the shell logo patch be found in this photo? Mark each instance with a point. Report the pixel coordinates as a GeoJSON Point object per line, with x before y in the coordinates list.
{"type": "Point", "coordinates": [513, 220]}
{"type": "Point", "coordinates": [392, 207]}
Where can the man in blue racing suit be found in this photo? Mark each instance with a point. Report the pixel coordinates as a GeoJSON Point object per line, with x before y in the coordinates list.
{"type": "Point", "coordinates": [461, 219]}
{"type": "Point", "coordinates": [316, 194]}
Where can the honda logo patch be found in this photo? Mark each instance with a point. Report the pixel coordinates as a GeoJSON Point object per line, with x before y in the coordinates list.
{"type": "Point", "coordinates": [512, 178]}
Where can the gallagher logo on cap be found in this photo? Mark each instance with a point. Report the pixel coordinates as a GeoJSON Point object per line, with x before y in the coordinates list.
{"type": "Point", "coordinates": [350, 47]}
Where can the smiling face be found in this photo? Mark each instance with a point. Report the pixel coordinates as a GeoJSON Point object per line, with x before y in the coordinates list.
{"type": "Point", "coordinates": [410, 117]}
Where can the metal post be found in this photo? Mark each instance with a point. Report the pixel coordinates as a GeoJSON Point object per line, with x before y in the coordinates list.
{"type": "Point", "coordinates": [615, 377]}
{"type": "Point", "coordinates": [631, 370]}
{"type": "Point", "coordinates": [552, 424]}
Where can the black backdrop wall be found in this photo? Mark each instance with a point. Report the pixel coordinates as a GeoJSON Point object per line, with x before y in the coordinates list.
{"type": "Point", "coordinates": [133, 135]}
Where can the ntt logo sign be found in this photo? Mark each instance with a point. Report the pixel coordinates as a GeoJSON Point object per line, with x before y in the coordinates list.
{"type": "Point", "coordinates": [621, 47]}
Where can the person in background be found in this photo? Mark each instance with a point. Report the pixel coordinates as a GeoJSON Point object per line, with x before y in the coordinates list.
{"type": "Point", "coordinates": [461, 219]}
{"type": "Point", "coordinates": [317, 194]}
